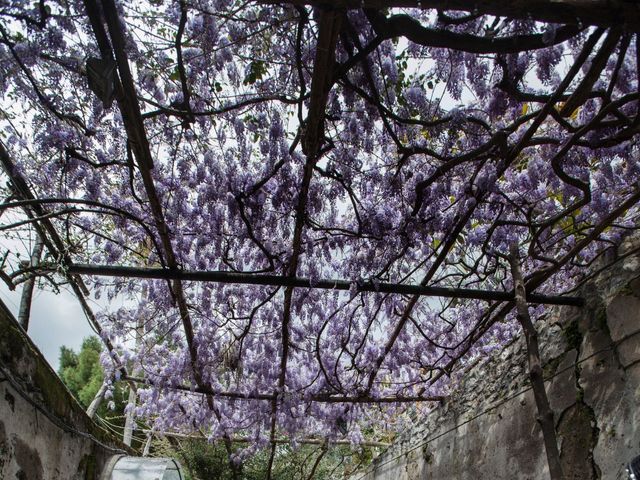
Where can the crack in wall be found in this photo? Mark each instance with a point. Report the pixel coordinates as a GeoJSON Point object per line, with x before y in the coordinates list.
{"type": "Point", "coordinates": [487, 429]}
{"type": "Point", "coordinates": [577, 425]}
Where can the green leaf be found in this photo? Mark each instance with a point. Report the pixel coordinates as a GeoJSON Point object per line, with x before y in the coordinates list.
{"type": "Point", "coordinates": [257, 69]}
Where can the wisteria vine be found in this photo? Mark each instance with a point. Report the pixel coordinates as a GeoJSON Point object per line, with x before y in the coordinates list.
{"type": "Point", "coordinates": [398, 145]}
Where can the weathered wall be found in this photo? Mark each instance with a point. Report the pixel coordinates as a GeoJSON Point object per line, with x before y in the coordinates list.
{"type": "Point", "coordinates": [44, 432]}
{"type": "Point", "coordinates": [487, 430]}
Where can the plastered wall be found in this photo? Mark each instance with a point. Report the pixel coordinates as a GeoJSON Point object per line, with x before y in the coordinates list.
{"type": "Point", "coordinates": [44, 432]}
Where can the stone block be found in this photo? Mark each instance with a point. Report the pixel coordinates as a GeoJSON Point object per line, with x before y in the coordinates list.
{"type": "Point", "coordinates": [562, 390]}
{"type": "Point", "coordinates": [623, 319]}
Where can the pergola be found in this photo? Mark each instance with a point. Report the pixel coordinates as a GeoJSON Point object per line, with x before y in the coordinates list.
{"type": "Point", "coordinates": [600, 30]}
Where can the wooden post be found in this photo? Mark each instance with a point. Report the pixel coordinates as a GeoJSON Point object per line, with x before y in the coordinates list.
{"type": "Point", "coordinates": [97, 400]}
{"type": "Point", "coordinates": [129, 416]}
{"type": "Point", "coordinates": [147, 445]}
{"type": "Point", "coordinates": [545, 414]}
{"type": "Point", "coordinates": [27, 291]}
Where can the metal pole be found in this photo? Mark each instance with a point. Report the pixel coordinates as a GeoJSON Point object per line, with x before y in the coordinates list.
{"type": "Point", "coordinates": [215, 276]}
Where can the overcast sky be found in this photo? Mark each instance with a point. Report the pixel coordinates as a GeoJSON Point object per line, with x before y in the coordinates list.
{"type": "Point", "coordinates": [56, 320]}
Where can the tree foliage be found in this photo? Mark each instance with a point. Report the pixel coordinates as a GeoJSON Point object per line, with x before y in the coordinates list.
{"type": "Point", "coordinates": [81, 372]}
{"type": "Point", "coordinates": [83, 375]}
{"type": "Point", "coordinates": [204, 460]}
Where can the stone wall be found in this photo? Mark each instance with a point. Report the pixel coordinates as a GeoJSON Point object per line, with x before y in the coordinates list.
{"type": "Point", "coordinates": [44, 433]}
{"type": "Point", "coordinates": [487, 429]}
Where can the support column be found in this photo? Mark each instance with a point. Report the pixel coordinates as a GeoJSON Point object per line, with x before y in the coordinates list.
{"type": "Point", "coordinates": [27, 291]}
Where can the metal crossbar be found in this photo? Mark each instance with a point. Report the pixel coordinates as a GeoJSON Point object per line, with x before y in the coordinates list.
{"type": "Point", "coordinates": [224, 277]}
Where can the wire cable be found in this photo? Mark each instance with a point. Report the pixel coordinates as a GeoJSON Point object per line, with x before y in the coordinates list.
{"type": "Point", "coordinates": [496, 405]}
{"type": "Point", "coordinates": [60, 423]}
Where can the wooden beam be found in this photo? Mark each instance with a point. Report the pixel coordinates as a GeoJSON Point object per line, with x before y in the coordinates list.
{"type": "Point", "coordinates": [137, 137]}
{"type": "Point", "coordinates": [329, 26]}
